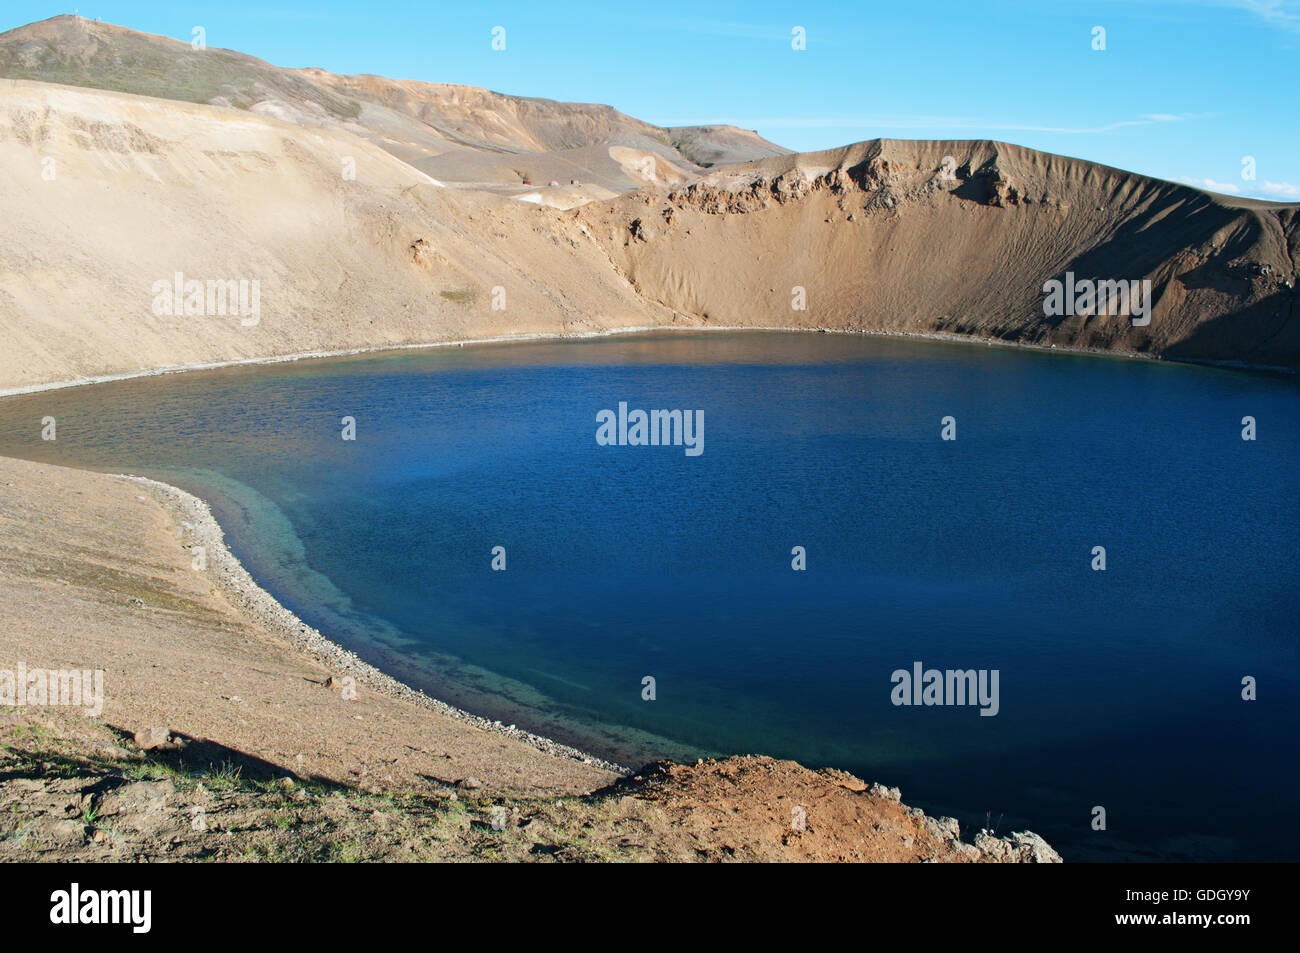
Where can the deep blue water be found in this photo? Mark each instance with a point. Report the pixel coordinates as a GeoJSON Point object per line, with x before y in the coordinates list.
{"type": "Point", "coordinates": [1119, 689]}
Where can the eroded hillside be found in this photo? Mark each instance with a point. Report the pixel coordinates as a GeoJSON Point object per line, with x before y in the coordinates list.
{"type": "Point", "coordinates": [960, 238]}
{"type": "Point", "coordinates": [106, 195]}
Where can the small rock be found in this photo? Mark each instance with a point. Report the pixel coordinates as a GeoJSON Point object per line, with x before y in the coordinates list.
{"type": "Point", "coordinates": [1023, 847]}
{"type": "Point", "coordinates": [1032, 849]}
{"type": "Point", "coordinates": [844, 779]}
{"type": "Point", "coordinates": [943, 828]}
{"type": "Point", "coordinates": [68, 833]}
{"type": "Point", "coordinates": [469, 783]}
{"type": "Point", "coordinates": [151, 739]}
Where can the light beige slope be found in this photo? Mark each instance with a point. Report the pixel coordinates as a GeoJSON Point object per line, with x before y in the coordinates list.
{"type": "Point", "coordinates": [625, 164]}
{"type": "Point", "coordinates": [470, 131]}
{"type": "Point", "coordinates": [480, 117]}
{"type": "Point", "coordinates": [144, 188]}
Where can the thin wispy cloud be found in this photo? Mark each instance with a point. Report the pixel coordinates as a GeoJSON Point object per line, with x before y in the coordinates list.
{"type": "Point", "coordinates": [1280, 14]}
{"type": "Point", "coordinates": [1276, 191]}
{"type": "Point", "coordinates": [1284, 191]}
{"type": "Point", "coordinates": [1211, 185]}
{"type": "Point", "coordinates": [1283, 14]}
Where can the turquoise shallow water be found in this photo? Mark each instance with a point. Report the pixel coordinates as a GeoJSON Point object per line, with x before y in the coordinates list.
{"type": "Point", "coordinates": [1118, 688]}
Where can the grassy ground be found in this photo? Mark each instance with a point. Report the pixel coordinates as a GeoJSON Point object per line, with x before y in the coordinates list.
{"type": "Point", "coordinates": [70, 792]}
{"type": "Point", "coordinates": [73, 789]}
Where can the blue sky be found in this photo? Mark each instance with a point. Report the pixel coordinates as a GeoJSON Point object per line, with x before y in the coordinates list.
{"type": "Point", "coordinates": [1184, 90]}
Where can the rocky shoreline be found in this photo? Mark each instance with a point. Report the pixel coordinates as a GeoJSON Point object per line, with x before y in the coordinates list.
{"type": "Point", "coordinates": [201, 529]}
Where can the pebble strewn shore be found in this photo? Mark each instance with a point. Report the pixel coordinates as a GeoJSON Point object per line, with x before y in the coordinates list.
{"type": "Point", "coordinates": [201, 529]}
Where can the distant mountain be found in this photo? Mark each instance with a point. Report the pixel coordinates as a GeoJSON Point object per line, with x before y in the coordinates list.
{"type": "Point", "coordinates": [455, 133]}
{"type": "Point", "coordinates": [708, 146]}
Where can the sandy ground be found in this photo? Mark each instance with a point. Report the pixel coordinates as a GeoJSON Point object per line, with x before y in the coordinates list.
{"type": "Point", "coordinates": [95, 575]}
